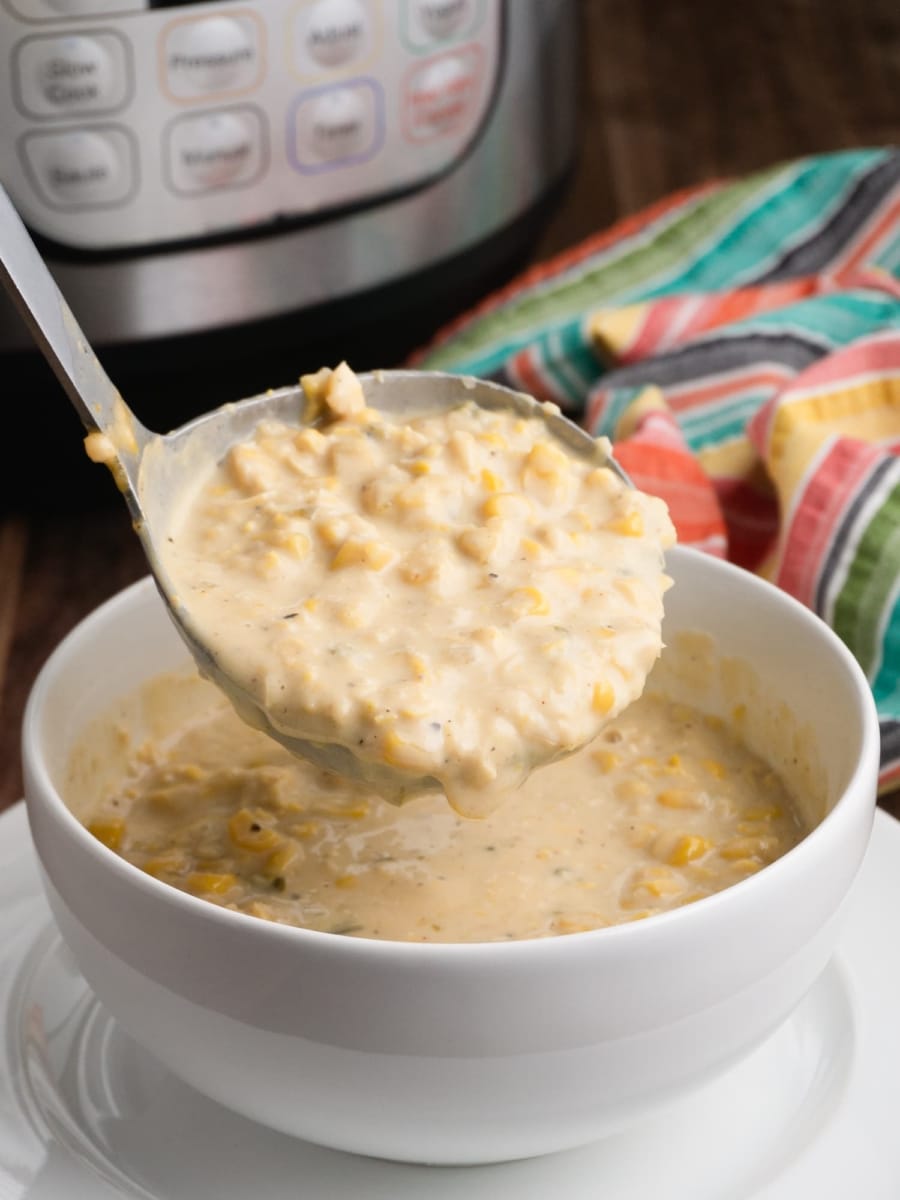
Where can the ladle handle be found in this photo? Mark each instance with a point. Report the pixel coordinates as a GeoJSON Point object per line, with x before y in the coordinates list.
{"type": "Point", "coordinates": [54, 328]}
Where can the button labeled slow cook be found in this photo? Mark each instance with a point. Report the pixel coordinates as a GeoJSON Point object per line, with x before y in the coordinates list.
{"type": "Point", "coordinates": [76, 73]}
{"type": "Point", "coordinates": [81, 168]}
{"type": "Point", "coordinates": [212, 151]}
{"type": "Point", "coordinates": [207, 56]}
{"type": "Point", "coordinates": [337, 126]}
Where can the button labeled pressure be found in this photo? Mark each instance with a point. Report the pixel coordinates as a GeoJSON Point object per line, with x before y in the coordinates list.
{"type": "Point", "coordinates": [206, 56]}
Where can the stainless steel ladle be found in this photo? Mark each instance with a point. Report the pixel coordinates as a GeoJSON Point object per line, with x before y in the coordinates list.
{"type": "Point", "coordinates": [150, 468]}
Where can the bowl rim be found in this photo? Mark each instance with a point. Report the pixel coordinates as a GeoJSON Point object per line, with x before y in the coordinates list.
{"type": "Point", "coordinates": [507, 952]}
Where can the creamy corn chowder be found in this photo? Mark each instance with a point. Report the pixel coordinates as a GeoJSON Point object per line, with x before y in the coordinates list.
{"type": "Point", "coordinates": [455, 596]}
{"type": "Point", "coordinates": [665, 807]}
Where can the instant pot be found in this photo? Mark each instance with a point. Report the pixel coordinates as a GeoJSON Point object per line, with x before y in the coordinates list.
{"type": "Point", "coordinates": [229, 193]}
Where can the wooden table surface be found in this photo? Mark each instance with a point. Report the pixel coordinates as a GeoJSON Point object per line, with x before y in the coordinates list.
{"type": "Point", "coordinates": [675, 92]}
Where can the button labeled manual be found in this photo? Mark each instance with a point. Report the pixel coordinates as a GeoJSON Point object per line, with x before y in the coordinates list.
{"type": "Point", "coordinates": [210, 151]}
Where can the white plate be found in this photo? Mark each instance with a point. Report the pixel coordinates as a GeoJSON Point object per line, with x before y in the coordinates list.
{"type": "Point", "coordinates": [86, 1114]}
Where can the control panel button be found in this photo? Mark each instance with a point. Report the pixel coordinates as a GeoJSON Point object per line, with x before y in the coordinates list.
{"type": "Point", "coordinates": [444, 18]}
{"type": "Point", "coordinates": [48, 10]}
{"type": "Point", "coordinates": [337, 126]}
{"type": "Point", "coordinates": [94, 8]}
{"type": "Point", "coordinates": [329, 34]}
{"type": "Point", "coordinates": [209, 151]}
{"type": "Point", "coordinates": [76, 73]}
{"type": "Point", "coordinates": [441, 94]}
{"type": "Point", "coordinates": [81, 168]}
{"type": "Point", "coordinates": [205, 56]}
{"type": "Point", "coordinates": [428, 23]}
{"type": "Point", "coordinates": [335, 32]}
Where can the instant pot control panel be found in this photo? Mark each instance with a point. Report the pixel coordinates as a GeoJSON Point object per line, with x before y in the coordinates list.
{"type": "Point", "coordinates": [133, 123]}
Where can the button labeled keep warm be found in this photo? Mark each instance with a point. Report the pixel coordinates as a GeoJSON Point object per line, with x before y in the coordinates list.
{"type": "Point", "coordinates": [441, 94]}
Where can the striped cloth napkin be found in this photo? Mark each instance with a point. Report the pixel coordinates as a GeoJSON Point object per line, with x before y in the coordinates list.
{"type": "Point", "coordinates": [740, 342]}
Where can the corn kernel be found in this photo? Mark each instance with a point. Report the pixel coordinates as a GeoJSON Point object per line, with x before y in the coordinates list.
{"type": "Point", "coordinates": [246, 468]}
{"type": "Point", "coordinates": [491, 482]}
{"type": "Point", "coordinates": [420, 467]}
{"type": "Point", "coordinates": [417, 665]}
{"type": "Point", "coordinates": [687, 848]}
{"type": "Point", "coordinates": [661, 887]}
{"type": "Point", "coordinates": [715, 768]}
{"type": "Point", "coordinates": [767, 812]}
{"type": "Point", "coordinates": [477, 543]}
{"type": "Point", "coordinates": [345, 881]}
{"type": "Point", "coordinates": [504, 504]}
{"type": "Point", "coordinates": [109, 831]}
{"type": "Point", "coordinates": [296, 544]}
{"type": "Point", "coordinates": [166, 864]}
{"type": "Point", "coordinates": [602, 478]}
{"type": "Point", "coordinates": [332, 532]}
{"type": "Point", "coordinates": [305, 829]}
{"type": "Point", "coordinates": [270, 563]}
{"type": "Point", "coordinates": [248, 832]}
{"type": "Point", "coordinates": [570, 576]}
{"type": "Point", "coordinates": [631, 789]}
{"type": "Point", "coordinates": [630, 524]}
{"type": "Point", "coordinates": [546, 460]}
{"type": "Point", "coordinates": [606, 760]}
{"type": "Point", "coordinates": [372, 555]}
{"type": "Point", "coordinates": [211, 883]}
{"type": "Point", "coordinates": [310, 440]}
{"type": "Point", "coordinates": [747, 866]}
{"type": "Point", "coordinates": [530, 602]}
{"type": "Point", "coordinates": [603, 697]}
{"type": "Point", "coordinates": [279, 860]}
{"type": "Point", "coordinates": [569, 925]}
{"type": "Point", "coordinates": [399, 753]}
{"type": "Point", "coordinates": [489, 438]}
{"type": "Point", "coordinates": [532, 548]}
{"type": "Point", "coordinates": [678, 798]}
{"type": "Point", "coordinates": [759, 847]}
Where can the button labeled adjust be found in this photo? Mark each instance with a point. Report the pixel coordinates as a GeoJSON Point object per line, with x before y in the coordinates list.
{"type": "Point", "coordinates": [330, 33]}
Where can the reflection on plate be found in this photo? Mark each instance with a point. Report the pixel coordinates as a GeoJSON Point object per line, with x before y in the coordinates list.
{"type": "Point", "coordinates": [86, 1114]}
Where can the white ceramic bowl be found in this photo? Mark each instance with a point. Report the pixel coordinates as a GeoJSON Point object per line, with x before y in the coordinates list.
{"type": "Point", "coordinates": [459, 1053]}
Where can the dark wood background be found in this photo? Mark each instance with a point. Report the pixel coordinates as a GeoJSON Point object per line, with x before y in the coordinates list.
{"type": "Point", "coordinates": [674, 92]}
